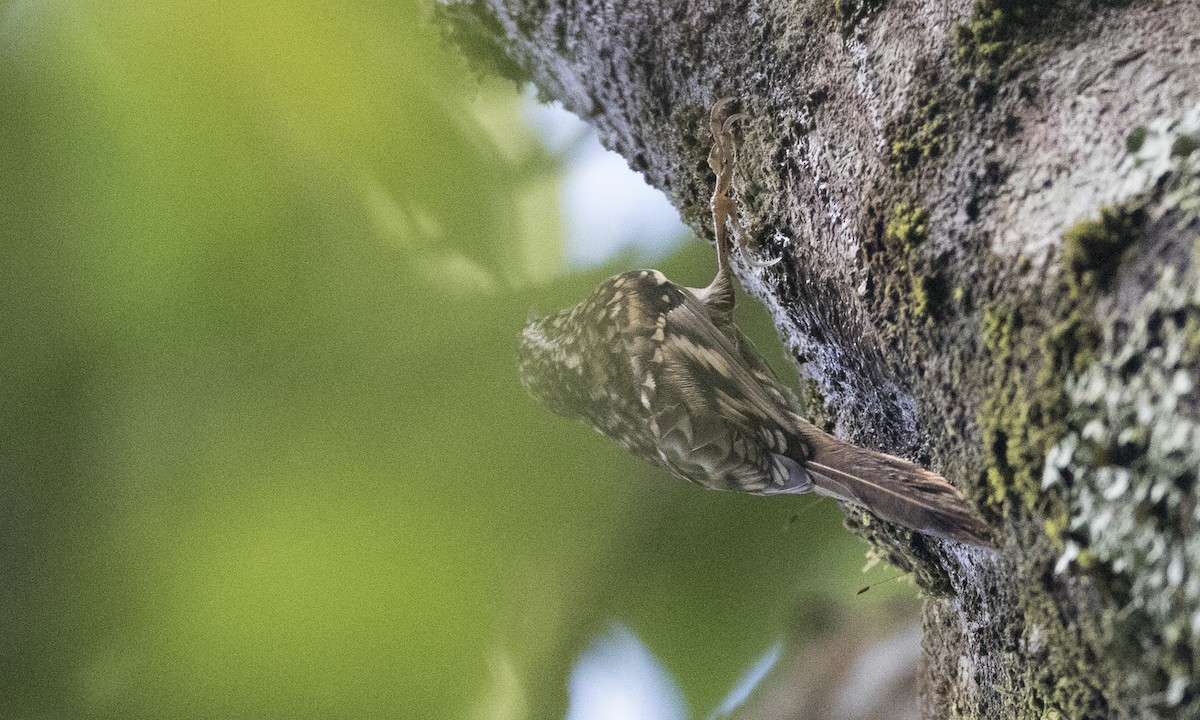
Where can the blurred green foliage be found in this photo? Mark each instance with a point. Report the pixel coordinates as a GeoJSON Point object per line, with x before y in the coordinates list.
{"type": "Point", "coordinates": [263, 452]}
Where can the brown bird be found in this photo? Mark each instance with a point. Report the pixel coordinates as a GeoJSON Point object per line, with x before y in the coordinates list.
{"type": "Point", "coordinates": [663, 370]}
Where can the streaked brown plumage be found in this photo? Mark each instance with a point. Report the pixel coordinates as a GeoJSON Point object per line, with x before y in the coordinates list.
{"type": "Point", "coordinates": [663, 370]}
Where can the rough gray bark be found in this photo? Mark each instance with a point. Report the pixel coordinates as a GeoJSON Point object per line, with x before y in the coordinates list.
{"type": "Point", "coordinates": [987, 212]}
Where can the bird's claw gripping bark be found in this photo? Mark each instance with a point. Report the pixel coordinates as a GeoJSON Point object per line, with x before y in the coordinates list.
{"type": "Point", "coordinates": [726, 214]}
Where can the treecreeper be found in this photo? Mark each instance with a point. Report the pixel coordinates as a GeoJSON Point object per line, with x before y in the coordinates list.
{"type": "Point", "coordinates": [663, 370]}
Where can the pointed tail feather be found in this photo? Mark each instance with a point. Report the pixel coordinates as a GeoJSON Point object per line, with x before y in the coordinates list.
{"type": "Point", "coordinates": [894, 489]}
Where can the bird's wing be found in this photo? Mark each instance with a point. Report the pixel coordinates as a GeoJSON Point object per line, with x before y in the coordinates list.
{"type": "Point", "coordinates": [700, 351]}
{"type": "Point", "coordinates": [718, 422]}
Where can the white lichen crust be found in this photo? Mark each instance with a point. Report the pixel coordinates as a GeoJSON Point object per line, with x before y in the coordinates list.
{"type": "Point", "coordinates": [1131, 469]}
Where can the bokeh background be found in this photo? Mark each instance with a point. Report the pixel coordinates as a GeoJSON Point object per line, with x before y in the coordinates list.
{"type": "Point", "coordinates": [263, 451]}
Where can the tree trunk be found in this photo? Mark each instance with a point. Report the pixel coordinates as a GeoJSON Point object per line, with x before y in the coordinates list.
{"type": "Point", "coordinates": [987, 213]}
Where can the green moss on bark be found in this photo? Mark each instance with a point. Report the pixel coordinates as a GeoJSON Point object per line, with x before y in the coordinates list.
{"type": "Point", "coordinates": [991, 46]}
{"type": "Point", "coordinates": [1025, 410]}
{"type": "Point", "coordinates": [908, 227]}
{"type": "Point", "coordinates": [1092, 249]}
{"type": "Point", "coordinates": [910, 282]}
{"type": "Point", "coordinates": [921, 133]}
{"type": "Point", "coordinates": [1066, 681]}
{"type": "Point", "coordinates": [1024, 413]}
